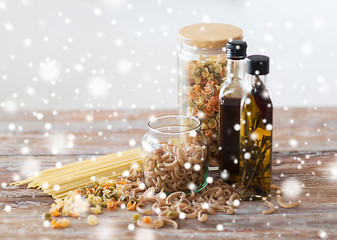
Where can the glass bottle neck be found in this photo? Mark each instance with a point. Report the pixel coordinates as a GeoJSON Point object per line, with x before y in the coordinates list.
{"type": "Point", "coordinates": [256, 80]}
{"type": "Point", "coordinates": [235, 70]}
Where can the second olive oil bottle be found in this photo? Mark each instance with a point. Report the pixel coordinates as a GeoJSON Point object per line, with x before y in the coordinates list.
{"type": "Point", "coordinates": [256, 133]}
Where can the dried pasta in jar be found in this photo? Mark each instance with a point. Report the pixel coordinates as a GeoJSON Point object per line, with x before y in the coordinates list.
{"type": "Point", "coordinates": [201, 71]}
{"type": "Point", "coordinates": [175, 153]}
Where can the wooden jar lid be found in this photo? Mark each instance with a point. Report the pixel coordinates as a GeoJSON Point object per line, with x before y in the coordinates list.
{"type": "Point", "coordinates": [209, 35]}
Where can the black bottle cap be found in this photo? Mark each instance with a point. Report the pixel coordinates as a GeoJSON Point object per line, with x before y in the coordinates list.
{"type": "Point", "coordinates": [258, 65]}
{"type": "Point", "coordinates": [236, 49]}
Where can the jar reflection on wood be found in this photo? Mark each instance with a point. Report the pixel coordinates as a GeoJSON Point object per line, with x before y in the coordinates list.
{"type": "Point", "coordinates": [175, 153]}
{"type": "Point", "coordinates": [201, 71]}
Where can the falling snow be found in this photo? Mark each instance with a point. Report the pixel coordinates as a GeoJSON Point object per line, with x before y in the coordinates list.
{"type": "Point", "coordinates": [322, 234]}
{"type": "Point", "coordinates": [131, 227]}
{"type": "Point", "coordinates": [224, 175]}
{"type": "Point", "coordinates": [293, 142]}
{"type": "Point", "coordinates": [219, 227]}
{"type": "Point", "coordinates": [128, 61]}
{"type": "Point", "coordinates": [8, 208]}
{"type": "Point", "coordinates": [292, 188]}
{"type": "Point", "coordinates": [132, 142]}
{"type": "Point", "coordinates": [49, 70]}
{"type": "Point", "coordinates": [30, 167]}
{"type": "Point", "coordinates": [98, 87]}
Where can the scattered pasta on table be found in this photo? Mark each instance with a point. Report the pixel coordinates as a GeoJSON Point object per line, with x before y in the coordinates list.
{"type": "Point", "coordinates": [130, 193]}
{"type": "Point", "coordinates": [271, 206]}
{"type": "Point", "coordinates": [158, 208]}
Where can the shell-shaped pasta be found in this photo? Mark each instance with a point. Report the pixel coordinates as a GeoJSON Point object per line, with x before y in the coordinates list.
{"type": "Point", "coordinates": [197, 79]}
{"type": "Point", "coordinates": [205, 73]}
{"type": "Point", "coordinates": [200, 100]}
{"type": "Point", "coordinates": [212, 123]}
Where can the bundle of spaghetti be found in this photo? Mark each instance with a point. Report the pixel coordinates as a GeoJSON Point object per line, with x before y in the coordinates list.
{"type": "Point", "coordinates": [57, 182]}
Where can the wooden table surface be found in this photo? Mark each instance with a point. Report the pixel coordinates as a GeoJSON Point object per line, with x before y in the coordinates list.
{"type": "Point", "coordinates": [305, 149]}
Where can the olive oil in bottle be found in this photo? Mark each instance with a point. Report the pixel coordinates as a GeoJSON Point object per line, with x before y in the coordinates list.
{"type": "Point", "coordinates": [230, 97]}
{"type": "Point", "coordinates": [256, 133]}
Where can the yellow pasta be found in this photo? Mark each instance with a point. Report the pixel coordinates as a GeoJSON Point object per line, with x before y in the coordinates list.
{"type": "Point", "coordinates": [92, 220]}
{"type": "Point", "coordinates": [96, 210]}
{"type": "Point", "coordinates": [57, 182]}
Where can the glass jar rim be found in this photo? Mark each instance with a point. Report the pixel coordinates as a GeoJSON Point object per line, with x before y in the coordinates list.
{"type": "Point", "coordinates": [177, 116]}
{"type": "Point", "coordinates": [202, 50]}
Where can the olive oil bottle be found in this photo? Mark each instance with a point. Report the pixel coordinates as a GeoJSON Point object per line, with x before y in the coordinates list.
{"type": "Point", "coordinates": [230, 97]}
{"type": "Point", "coordinates": [256, 133]}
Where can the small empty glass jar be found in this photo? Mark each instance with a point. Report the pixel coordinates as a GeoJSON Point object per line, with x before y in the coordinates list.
{"type": "Point", "coordinates": [175, 153]}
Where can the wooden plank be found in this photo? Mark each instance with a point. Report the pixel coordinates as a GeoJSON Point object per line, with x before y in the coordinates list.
{"type": "Point", "coordinates": [317, 212]}
{"type": "Point", "coordinates": [305, 143]}
{"type": "Point", "coordinates": [113, 225]}
{"type": "Point", "coordinates": [294, 130]}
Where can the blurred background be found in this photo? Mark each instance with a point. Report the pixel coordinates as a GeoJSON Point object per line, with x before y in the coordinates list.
{"type": "Point", "coordinates": [121, 54]}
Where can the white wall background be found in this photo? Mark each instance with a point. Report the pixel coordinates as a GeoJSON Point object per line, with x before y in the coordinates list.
{"type": "Point", "coordinates": [77, 54]}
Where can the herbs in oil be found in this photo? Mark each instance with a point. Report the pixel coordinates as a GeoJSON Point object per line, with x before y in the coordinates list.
{"type": "Point", "coordinates": [256, 134]}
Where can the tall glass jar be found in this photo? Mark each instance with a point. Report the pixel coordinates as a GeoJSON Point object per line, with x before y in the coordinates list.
{"type": "Point", "coordinates": [175, 153]}
{"type": "Point", "coordinates": [201, 71]}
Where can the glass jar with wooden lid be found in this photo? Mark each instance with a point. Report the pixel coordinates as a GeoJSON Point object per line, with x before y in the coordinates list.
{"type": "Point", "coordinates": [201, 71]}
